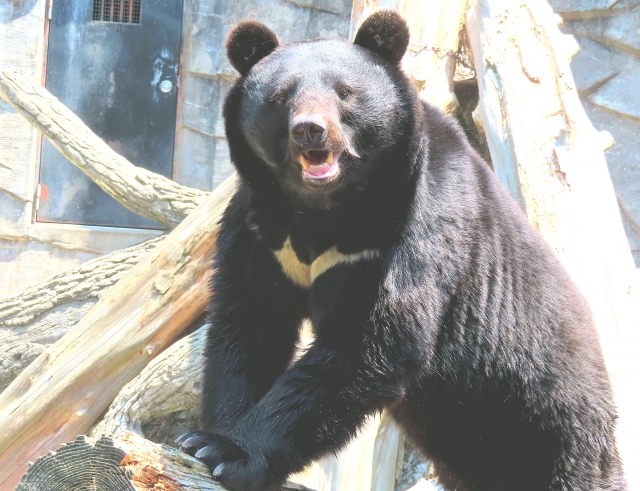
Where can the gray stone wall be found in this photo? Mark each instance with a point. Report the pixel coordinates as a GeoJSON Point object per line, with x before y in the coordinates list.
{"type": "Point", "coordinates": [607, 75]}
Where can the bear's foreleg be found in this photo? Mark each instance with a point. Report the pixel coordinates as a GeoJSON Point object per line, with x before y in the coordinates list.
{"type": "Point", "coordinates": [255, 317]}
{"type": "Point", "coordinates": [312, 410]}
{"type": "Point", "coordinates": [351, 371]}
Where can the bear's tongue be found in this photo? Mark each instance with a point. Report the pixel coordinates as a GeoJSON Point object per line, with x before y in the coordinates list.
{"type": "Point", "coordinates": [318, 164]}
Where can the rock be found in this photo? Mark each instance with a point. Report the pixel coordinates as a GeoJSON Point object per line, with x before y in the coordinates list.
{"type": "Point", "coordinates": [561, 6]}
{"type": "Point", "coordinates": [623, 161]}
{"type": "Point", "coordinates": [621, 94]}
{"type": "Point", "coordinates": [618, 31]}
{"type": "Point", "coordinates": [607, 76]}
{"type": "Point", "coordinates": [586, 9]}
{"type": "Point", "coordinates": [202, 106]}
{"type": "Point", "coordinates": [594, 65]}
{"type": "Point", "coordinates": [632, 230]}
{"type": "Point", "coordinates": [292, 20]}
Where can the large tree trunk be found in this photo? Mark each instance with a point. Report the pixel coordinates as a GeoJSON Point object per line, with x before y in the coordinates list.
{"type": "Point", "coordinates": [171, 382]}
{"type": "Point", "coordinates": [549, 156]}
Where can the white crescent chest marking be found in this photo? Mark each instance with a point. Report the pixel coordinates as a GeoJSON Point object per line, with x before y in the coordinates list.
{"type": "Point", "coordinates": [305, 274]}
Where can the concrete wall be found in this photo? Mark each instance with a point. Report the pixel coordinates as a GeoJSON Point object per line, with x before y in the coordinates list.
{"type": "Point", "coordinates": [28, 251]}
{"type": "Point", "coordinates": [32, 251]}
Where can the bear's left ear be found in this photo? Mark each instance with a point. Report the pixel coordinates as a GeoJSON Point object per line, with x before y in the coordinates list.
{"type": "Point", "coordinates": [247, 43]}
{"type": "Point", "coordinates": [386, 33]}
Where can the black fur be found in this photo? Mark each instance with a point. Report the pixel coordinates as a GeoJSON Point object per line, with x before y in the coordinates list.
{"type": "Point", "coordinates": [464, 324]}
{"type": "Point", "coordinates": [385, 33]}
{"type": "Point", "coordinates": [248, 43]}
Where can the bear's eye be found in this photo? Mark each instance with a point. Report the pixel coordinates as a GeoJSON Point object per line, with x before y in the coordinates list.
{"type": "Point", "coordinates": [280, 99]}
{"type": "Point", "coordinates": [344, 92]}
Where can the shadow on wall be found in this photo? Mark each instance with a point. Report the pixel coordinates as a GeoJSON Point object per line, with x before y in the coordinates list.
{"type": "Point", "coordinates": [14, 9]}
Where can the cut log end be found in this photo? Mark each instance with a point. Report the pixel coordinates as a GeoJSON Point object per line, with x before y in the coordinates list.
{"type": "Point", "coordinates": [79, 466]}
{"type": "Point", "coordinates": [126, 463]}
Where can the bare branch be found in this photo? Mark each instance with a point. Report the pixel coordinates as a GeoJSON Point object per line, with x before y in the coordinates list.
{"type": "Point", "coordinates": [143, 192]}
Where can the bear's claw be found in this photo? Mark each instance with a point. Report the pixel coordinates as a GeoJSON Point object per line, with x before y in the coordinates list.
{"type": "Point", "coordinates": [228, 461]}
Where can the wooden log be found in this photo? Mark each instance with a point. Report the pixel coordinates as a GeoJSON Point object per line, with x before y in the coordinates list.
{"type": "Point", "coordinates": [169, 383]}
{"type": "Point", "coordinates": [64, 391]}
{"type": "Point", "coordinates": [82, 464]}
{"type": "Point", "coordinates": [547, 153]}
{"type": "Point", "coordinates": [125, 463]}
{"type": "Point", "coordinates": [143, 192]}
{"type": "Point", "coordinates": [40, 314]}
{"type": "Point", "coordinates": [36, 317]}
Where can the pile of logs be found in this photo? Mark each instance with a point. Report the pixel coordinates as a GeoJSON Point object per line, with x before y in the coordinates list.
{"type": "Point", "coordinates": [114, 361]}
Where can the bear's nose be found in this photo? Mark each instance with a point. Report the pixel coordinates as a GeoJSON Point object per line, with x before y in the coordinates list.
{"type": "Point", "coordinates": [308, 129]}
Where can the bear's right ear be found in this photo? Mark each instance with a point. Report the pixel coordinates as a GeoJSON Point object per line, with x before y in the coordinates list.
{"type": "Point", "coordinates": [386, 33]}
{"type": "Point", "coordinates": [249, 42]}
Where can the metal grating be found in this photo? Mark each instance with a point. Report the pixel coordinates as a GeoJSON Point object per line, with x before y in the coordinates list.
{"type": "Point", "coordinates": [135, 11]}
{"type": "Point", "coordinates": [118, 11]}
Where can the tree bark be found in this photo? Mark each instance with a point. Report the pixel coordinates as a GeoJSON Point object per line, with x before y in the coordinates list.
{"type": "Point", "coordinates": [38, 316]}
{"type": "Point", "coordinates": [65, 389]}
{"type": "Point", "coordinates": [171, 382]}
{"type": "Point", "coordinates": [549, 156]}
{"type": "Point", "coordinates": [143, 192]}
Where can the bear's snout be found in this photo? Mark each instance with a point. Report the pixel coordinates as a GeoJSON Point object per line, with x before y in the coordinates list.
{"type": "Point", "coordinates": [314, 146]}
{"type": "Point", "coordinates": [308, 130]}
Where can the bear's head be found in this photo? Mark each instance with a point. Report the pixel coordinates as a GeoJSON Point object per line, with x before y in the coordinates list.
{"type": "Point", "coordinates": [319, 118]}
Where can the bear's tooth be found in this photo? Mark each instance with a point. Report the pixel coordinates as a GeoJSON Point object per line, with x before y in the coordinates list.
{"type": "Point", "coordinates": [304, 162]}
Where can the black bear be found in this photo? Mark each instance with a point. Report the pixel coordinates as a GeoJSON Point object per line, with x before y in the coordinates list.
{"type": "Point", "coordinates": [365, 209]}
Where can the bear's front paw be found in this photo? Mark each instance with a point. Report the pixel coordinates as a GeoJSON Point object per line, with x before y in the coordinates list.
{"type": "Point", "coordinates": [233, 463]}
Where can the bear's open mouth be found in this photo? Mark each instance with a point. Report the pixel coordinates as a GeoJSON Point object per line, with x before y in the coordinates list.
{"type": "Point", "coordinates": [319, 164]}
